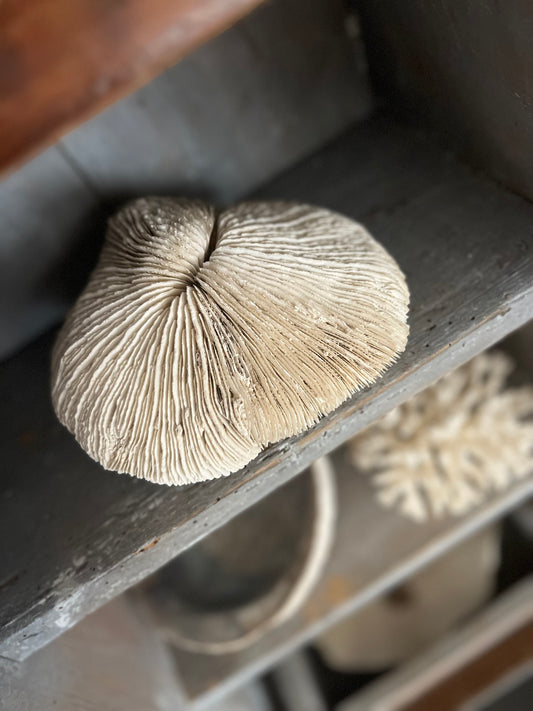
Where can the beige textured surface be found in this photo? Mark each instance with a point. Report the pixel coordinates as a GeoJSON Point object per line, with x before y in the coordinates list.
{"type": "Point", "coordinates": [199, 339]}
{"type": "Point", "coordinates": [444, 450]}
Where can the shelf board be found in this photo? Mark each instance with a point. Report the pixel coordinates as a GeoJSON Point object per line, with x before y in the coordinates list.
{"type": "Point", "coordinates": [65, 60]}
{"type": "Point", "coordinates": [451, 655]}
{"type": "Point", "coordinates": [75, 535]}
{"type": "Point", "coordinates": [394, 548]}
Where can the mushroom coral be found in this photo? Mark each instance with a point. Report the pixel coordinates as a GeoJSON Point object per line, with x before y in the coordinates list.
{"type": "Point", "coordinates": [201, 337]}
{"type": "Point", "coordinates": [448, 447]}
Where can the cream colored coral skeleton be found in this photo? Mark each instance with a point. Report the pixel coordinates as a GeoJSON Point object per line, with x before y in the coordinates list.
{"type": "Point", "coordinates": [199, 338]}
{"type": "Point", "coordinates": [445, 449]}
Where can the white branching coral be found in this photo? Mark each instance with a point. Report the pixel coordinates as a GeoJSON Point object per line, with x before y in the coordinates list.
{"type": "Point", "coordinates": [445, 449]}
{"type": "Point", "coordinates": [202, 337]}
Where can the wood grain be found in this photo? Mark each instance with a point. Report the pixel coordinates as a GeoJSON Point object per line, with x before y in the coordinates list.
{"type": "Point", "coordinates": [251, 102]}
{"type": "Point", "coordinates": [245, 106]}
{"type": "Point", "coordinates": [75, 536]}
{"type": "Point", "coordinates": [61, 62]}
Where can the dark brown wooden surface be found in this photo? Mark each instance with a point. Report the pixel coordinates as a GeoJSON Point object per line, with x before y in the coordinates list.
{"type": "Point", "coordinates": [112, 661]}
{"type": "Point", "coordinates": [63, 60]}
{"type": "Point", "coordinates": [74, 535]}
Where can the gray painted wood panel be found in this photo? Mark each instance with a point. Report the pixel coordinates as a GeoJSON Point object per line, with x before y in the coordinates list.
{"type": "Point", "coordinates": [508, 613]}
{"type": "Point", "coordinates": [465, 69]}
{"type": "Point", "coordinates": [112, 661]}
{"type": "Point", "coordinates": [75, 536]}
{"type": "Point", "coordinates": [45, 209]}
{"type": "Point", "coordinates": [273, 88]}
{"type": "Point", "coordinates": [394, 548]}
{"type": "Point", "coordinates": [297, 684]}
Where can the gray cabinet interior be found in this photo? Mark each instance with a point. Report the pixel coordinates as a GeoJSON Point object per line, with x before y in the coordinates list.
{"type": "Point", "coordinates": [279, 106]}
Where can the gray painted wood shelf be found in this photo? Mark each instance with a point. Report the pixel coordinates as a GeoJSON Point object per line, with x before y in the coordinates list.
{"type": "Point", "coordinates": [75, 536]}
{"type": "Point", "coordinates": [375, 550]}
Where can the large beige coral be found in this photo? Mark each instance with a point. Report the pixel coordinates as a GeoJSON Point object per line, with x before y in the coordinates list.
{"type": "Point", "coordinates": [445, 449]}
{"type": "Point", "coordinates": [200, 338]}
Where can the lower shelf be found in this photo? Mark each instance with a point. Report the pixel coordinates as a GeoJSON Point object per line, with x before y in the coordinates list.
{"type": "Point", "coordinates": [375, 550]}
{"type": "Point", "coordinates": [485, 665]}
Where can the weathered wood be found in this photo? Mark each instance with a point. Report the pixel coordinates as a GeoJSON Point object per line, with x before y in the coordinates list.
{"type": "Point", "coordinates": [48, 217]}
{"type": "Point", "coordinates": [464, 68]}
{"type": "Point", "coordinates": [75, 536]}
{"type": "Point", "coordinates": [394, 548]}
{"type": "Point", "coordinates": [112, 661]}
{"type": "Point", "coordinates": [61, 62]}
{"type": "Point", "coordinates": [273, 88]}
{"type": "Point", "coordinates": [470, 645]}
{"type": "Point", "coordinates": [245, 106]}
